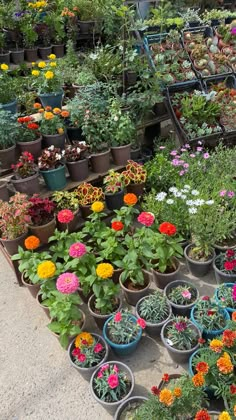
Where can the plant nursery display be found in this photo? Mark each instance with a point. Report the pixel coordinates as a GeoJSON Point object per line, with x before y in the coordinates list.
{"type": "Point", "coordinates": [26, 177]}
{"type": "Point", "coordinates": [225, 266]}
{"type": "Point", "coordinates": [182, 296]}
{"type": "Point", "coordinates": [225, 296]}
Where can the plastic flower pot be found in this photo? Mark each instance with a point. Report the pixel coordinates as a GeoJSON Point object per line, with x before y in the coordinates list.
{"type": "Point", "coordinates": [11, 107]}
{"type": "Point", "coordinates": [99, 318]}
{"type": "Point", "coordinates": [87, 372]}
{"type": "Point", "coordinates": [57, 140]}
{"type": "Point", "coordinates": [137, 189]}
{"type": "Point", "coordinates": [198, 268]}
{"type": "Point", "coordinates": [4, 193]}
{"type": "Point", "coordinates": [114, 201]}
{"type": "Point", "coordinates": [207, 389]}
{"type": "Point", "coordinates": [7, 157]}
{"type": "Point", "coordinates": [121, 154]}
{"type": "Point", "coordinates": [17, 56]}
{"type": "Point", "coordinates": [31, 54]}
{"type": "Point", "coordinates": [209, 335]}
{"type": "Point", "coordinates": [51, 99]}
{"type": "Point", "coordinates": [29, 185]}
{"type": "Point", "coordinates": [33, 288]}
{"type": "Point", "coordinates": [219, 249]}
{"type": "Point", "coordinates": [179, 356]}
{"type": "Point", "coordinates": [59, 50]}
{"type": "Point", "coordinates": [100, 162]}
{"type": "Point", "coordinates": [133, 402]}
{"type": "Point", "coordinates": [176, 308]}
{"type": "Point", "coordinates": [70, 338]}
{"type": "Point", "coordinates": [55, 179]}
{"type": "Point", "coordinates": [11, 245]}
{"type": "Point", "coordinates": [44, 232]}
{"type": "Point", "coordinates": [74, 134]}
{"type": "Point", "coordinates": [162, 279]}
{"type": "Point", "coordinates": [122, 349]}
{"type": "Point", "coordinates": [44, 52]}
{"type": "Point", "coordinates": [132, 294]}
{"type": "Point", "coordinates": [220, 276]}
{"type": "Point", "coordinates": [79, 170]}
{"type": "Point", "coordinates": [219, 302]}
{"type": "Point", "coordinates": [152, 329]}
{"type": "Point", "coordinates": [40, 302]}
{"type": "Point", "coordinates": [111, 407]}
{"type": "Point", "coordinates": [34, 147]}
{"type": "Point", "coordinates": [5, 58]}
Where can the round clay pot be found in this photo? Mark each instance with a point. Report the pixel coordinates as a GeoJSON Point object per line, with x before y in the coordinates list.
{"type": "Point", "coordinates": [133, 400]}
{"type": "Point", "coordinates": [121, 154]}
{"type": "Point", "coordinates": [44, 52]}
{"type": "Point", "coordinates": [114, 201]}
{"type": "Point", "coordinates": [78, 170]}
{"type": "Point", "coordinates": [44, 232]}
{"type": "Point", "coordinates": [7, 157]}
{"type": "Point", "coordinates": [137, 189]}
{"type": "Point", "coordinates": [220, 276]}
{"type": "Point", "coordinates": [39, 301]}
{"type": "Point", "coordinates": [57, 140]}
{"type": "Point", "coordinates": [28, 185]}
{"type": "Point", "coordinates": [11, 245]}
{"type": "Point", "coordinates": [152, 329]}
{"type": "Point", "coordinates": [198, 268]}
{"type": "Point", "coordinates": [177, 309]}
{"type": "Point", "coordinates": [17, 56]}
{"type": "Point", "coordinates": [162, 279]}
{"type": "Point", "coordinates": [58, 50]}
{"type": "Point", "coordinates": [4, 193]}
{"type": "Point", "coordinates": [31, 54]}
{"type": "Point", "coordinates": [33, 288]}
{"type": "Point", "coordinates": [34, 147]}
{"type": "Point", "coordinates": [86, 211]}
{"type": "Point", "coordinates": [100, 162]}
{"type": "Point", "coordinates": [100, 319]}
{"type": "Point", "coordinates": [133, 296]}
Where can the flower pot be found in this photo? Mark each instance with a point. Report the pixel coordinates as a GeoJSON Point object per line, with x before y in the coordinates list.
{"type": "Point", "coordinates": [198, 268]}
{"type": "Point", "coordinates": [114, 201]}
{"type": "Point", "coordinates": [34, 147]}
{"type": "Point", "coordinates": [11, 245]}
{"type": "Point", "coordinates": [74, 134]}
{"type": "Point", "coordinates": [152, 329]}
{"type": "Point", "coordinates": [179, 356]}
{"type": "Point", "coordinates": [228, 309]}
{"type": "Point", "coordinates": [44, 52]}
{"type": "Point", "coordinates": [29, 185]}
{"type": "Point", "coordinates": [86, 27]}
{"type": "Point", "coordinates": [51, 99]}
{"type": "Point", "coordinates": [71, 226]}
{"type": "Point", "coordinates": [209, 335]}
{"type": "Point", "coordinates": [129, 403]}
{"type": "Point", "coordinates": [219, 248]}
{"type": "Point", "coordinates": [98, 318]}
{"type": "Point", "coordinates": [111, 407]}
{"type": "Point", "coordinates": [122, 349]}
{"type": "Point", "coordinates": [4, 193]}
{"type": "Point", "coordinates": [137, 189]}
{"type": "Point", "coordinates": [5, 58]}
{"type": "Point", "coordinates": [31, 54]}
{"type": "Point", "coordinates": [33, 288]}
{"type": "Point", "coordinates": [135, 153]}
{"type": "Point", "coordinates": [70, 338]}
{"type": "Point", "coordinates": [10, 107]}
{"type": "Point", "coordinates": [78, 170]}
{"type": "Point", "coordinates": [100, 162]}
{"type": "Point", "coordinates": [177, 309]}
{"type": "Point", "coordinates": [209, 391]}
{"type": "Point", "coordinates": [121, 154]}
{"type": "Point", "coordinates": [58, 50]}
{"type": "Point", "coordinates": [17, 56]}
{"type": "Point", "coordinates": [159, 109]}
{"type": "Point", "coordinates": [220, 276]}
{"type": "Point", "coordinates": [39, 301]}
{"type": "Point", "coordinates": [87, 372]}
{"type": "Point", "coordinates": [44, 232]}
{"type": "Point", "coordinates": [55, 179]}
{"type": "Point", "coordinates": [116, 275]}
{"type": "Point", "coordinates": [162, 279]}
{"type": "Point", "coordinates": [86, 211]}
{"type": "Point", "coordinates": [57, 140]}
{"type": "Point", "coordinates": [7, 157]}
{"type": "Point", "coordinates": [132, 296]}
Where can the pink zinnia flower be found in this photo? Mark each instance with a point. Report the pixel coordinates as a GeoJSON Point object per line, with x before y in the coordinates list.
{"type": "Point", "coordinates": [104, 367]}
{"type": "Point", "coordinates": [141, 323]}
{"type": "Point", "coordinates": [186, 294]}
{"type": "Point", "coordinates": [146, 218]}
{"type": "Point", "coordinates": [98, 348]}
{"type": "Point", "coordinates": [180, 326]}
{"type": "Point", "coordinates": [77, 250]}
{"type": "Point", "coordinates": [222, 193]}
{"type": "Point", "coordinates": [67, 283]}
{"type": "Point", "coordinates": [118, 317]}
{"type": "Point", "coordinates": [113, 381]}
{"type": "Point", "coordinates": [82, 358]}
{"type": "Point", "coordinates": [65, 216]}
{"type": "Point", "coordinates": [231, 194]}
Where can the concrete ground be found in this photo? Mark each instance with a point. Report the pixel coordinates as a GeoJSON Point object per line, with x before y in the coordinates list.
{"type": "Point", "coordinates": [37, 381]}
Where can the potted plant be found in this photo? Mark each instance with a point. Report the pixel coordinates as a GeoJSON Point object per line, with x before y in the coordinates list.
{"type": "Point", "coordinates": [182, 296]}
{"type": "Point", "coordinates": [9, 133]}
{"type": "Point", "coordinates": [95, 227]}
{"type": "Point", "coordinates": [129, 408]}
{"type": "Point", "coordinates": [114, 190]}
{"type": "Point", "coordinates": [76, 161]}
{"type": "Point", "coordinates": [41, 212]}
{"type": "Point", "coordinates": [66, 200]}
{"type": "Point", "coordinates": [87, 195]}
{"type": "Point", "coordinates": [47, 81]}
{"type": "Point", "coordinates": [4, 54]}
{"type": "Point", "coordinates": [225, 296]}
{"type": "Point", "coordinates": [87, 352]}
{"type": "Point", "coordinates": [44, 36]}
{"type": "Point", "coordinates": [52, 169]}
{"type": "Point", "coordinates": [45, 295]}
{"type": "Point", "coordinates": [52, 127]}
{"type": "Point", "coordinates": [26, 176]}
{"type": "Point", "coordinates": [76, 110]}
{"type": "Point", "coordinates": [13, 222]}
{"type": "Point", "coordinates": [122, 332]}
{"type": "Point", "coordinates": [57, 23]}
{"type": "Point", "coordinates": [83, 79]}
{"type": "Point", "coordinates": [180, 338]}
{"type": "Point", "coordinates": [135, 177]}
{"type": "Point", "coordinates": [30, 38]}
{"type": "Point", "coordinates": [155, 310]}
{"type": "Point", "coordinates": [4, 193]}
{"type": "Point", "coordinates": [209, 317]}
{"type": "Point", "coordinates": [29, 139]}
{"type": "Point", "coordinates": [111, 384]}
{"type": "Point", "coordinates": [7, 90]}
{"type": "Point", "coordinates": [88, 12]}
{"type": "Point", "coordinates": [127, 213]}
{"type": "Point", "coordinates": [224, 266]}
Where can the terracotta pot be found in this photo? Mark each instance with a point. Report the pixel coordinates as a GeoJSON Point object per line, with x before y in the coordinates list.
{"type": "Point", "coordinates": [70, 226]}
{"type": "Point", "coordinates": [31, 54]}
{"type": "Point", "coordinates": [39, 301]}
{"type": "Point", "coordinates": [33, 288]}
{"type": "Point", "coordinates": [100, 162]}
{"type": "Point", "coordinates": [11, 245]}
{"type": "Point", "coordinates": [121, 155]}
{"type": "Point", "coordinates": [8, 157]}
{"type": "Point", "coordinates": [44, 232]}
{"type": "Point", "coordinates": [133, 296]}
{"type": "Point", "coordinates": [4, 193]}
{"type": "Point", "coordinates": [86, 211]}
{"type": "Point", "coordinates": [58, 50]}
{"type": "Point", "coordinates": [78, 170]}
{"type": "Point", "coordinates": [162, 279]}
{"type": "Point", "coordinates": [34, 147]}
{"type": "Point", "coordinates": [28, 185]}
{"type": "Point", "coordinates": [44, 52]}
{"type": "Point", "coordinates": [57, 140]}
{"type": "Point", "coordinates": [137, 189]}
{"type": "Point", "coordinates": [98, 318]}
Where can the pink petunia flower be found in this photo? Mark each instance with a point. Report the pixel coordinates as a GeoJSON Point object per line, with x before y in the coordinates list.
{"type": "Point", "coordinates": [113, 381]}
{"type": "Point", "coordinates": [146, 218]}
{"type": "Point", "coordinates": [77, 250]}
{"type": "Point", "coordinates": [65, 216]}
{"type": "Point", "coordinates": [231, 194]}
{"type": "Point", "coordinates": [192, 155]}
{"type": "Point", "coordinates": [206, 155]}
{"type": "Point", "coordinates": [173, 152]}
{"type": "Point", "coordinates": [141, 323]}
{"type": "Point", "coordinates": [67, 283]}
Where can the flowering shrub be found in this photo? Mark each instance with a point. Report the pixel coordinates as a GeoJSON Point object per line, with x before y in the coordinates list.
{"type": "Point", "coordinates": [51, 158]}
{"type": "Point", "coordinates": [182, 295]}
{"type": "Point", "coordinates": [181, 334]}
{"type": "Point", "coordinates": [29, 262]}
{"type": "Point", "coordinates": [53, 121]}
{"type": "Point", "coordinates": [113, 182]}
{"type": "Point", "coordinates": [88, 351]}
{"type": "Point", "coordinates": [111, 384]}
{"type": "Point", "coordinates": [88, 194]}
{"type": "Point", "coordinates": [154, 308]}
{"type": "Point", "coordinates": [76, 152]}
{"type": "Point", "coordinates": [29, 129]}
{"type": "Point", "coordinates": [41, 210]}
{"type": "Point", "coordinates": [123, 328]}
{"type": "Point", "coordinates": [227, 296]}
{"type": "Point", "coordinates": [25, 167]}
{"type": "Point", "coordinates": [226, 262]}
{"type": "Point", "coordinates": [46, 78]}
{"type": "Point", "coordinates": [209, 315]}
{"type": "Point", "coordinates": [134, 173]}
{"type": "Point", "coordinates": [14, 216]}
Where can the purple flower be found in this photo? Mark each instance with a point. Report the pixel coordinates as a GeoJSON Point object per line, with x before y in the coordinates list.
{"type": "Point", "coordinates": [206, 155]}
{"type": "Point", "coordinates": [187, 146]}
{"type": "Point", "coordinates": [173, 153]}
{"type": "Point", "coordinates": [231, 193]}
{"type": "Point", "coordinates": [233, 31]}
{"type": "Point", "coordinates": [199, 149]}
{"type": "Point", "coordinates": [175, 162]}
{"type": "Point", "coordinates": [181, 326]}
{"type": "Point", "coordinates": [222, 193]}
{"type": "Point", "coordinates": [192, 155]}
{"type": "Point", "coordinates": [183, 150]}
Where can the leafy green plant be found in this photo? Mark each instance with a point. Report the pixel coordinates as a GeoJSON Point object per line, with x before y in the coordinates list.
{"type": "Point", "coordinates": [28, 263]}
{"type": "Point", "coordinates": [154, 308]}
{"type": "Point", "coordinates": [60, 243]}
{"type": "Point", "coordinates": [7, 91]}
{"type": "Point", "coordinates": [113, 182]}
{"type": "Point", "coordinates": [65, 200]}
{"type": "Point", "coordinates": [209, 315]}
{"type": "Point", "coordinates": [182, 295]}
{"type": "Point", "coordinates": [181, 334]}
{"type": "Point", "coordinates": [121, 127]}
{"type": "Point", "coordinates": [123, 328]}
{"type": "Point", "coordinates": [9, 130]}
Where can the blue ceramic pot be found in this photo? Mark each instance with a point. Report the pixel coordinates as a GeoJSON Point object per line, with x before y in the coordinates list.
{"type": "Point", "coordinates": [10, 107]}
{"type": "Point", "coordinates": [122, 349]}
{"type": "Point", "coordinates": [55, 179]}
{"type": "Point", "coordinates": [229, 310]}
{"type": "Point", "coordinates": [51, 99]}
{"type": "Point", "coordinates": [209, 335]}
{"type": "Point", "coordinates": [208, 390]}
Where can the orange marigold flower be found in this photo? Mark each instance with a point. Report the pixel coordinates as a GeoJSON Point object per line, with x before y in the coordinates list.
{"type": "Point", "coordinates": [37, 105]}
{"type": "Point", "coordinates": [198, 379]}
{"type": "Point", "coordinates": [65, 114]}
{"type": "Point", "coordinates": [202, 415]}
{"type": "Point", "coordinates": [224, 364]}
{"type": "Point", "coordinates": [228, 338]}
{"type": "Point", "coordinates": [235, 410]}
{"type": "Point", "coordinates": [130, 199]}
{"type": "Point", "coordinates": [32, 242]}
{"type": "Point", "coordinates": [48, 108]}
{"type": "Point", "coordinates": [202, 367]}
{"type": "Point", "coordinates": [234, 316]}
{"type": "Point", "coordinates": [56, 110]}
{"type": "Point", "coordinates": [177, 392]}
{"type": "Point", "coordinates": [166, 397]}
{"type": "Point", "coordinates": [216, 345]}
{"type": "Point", "coordinates": [41, 110]}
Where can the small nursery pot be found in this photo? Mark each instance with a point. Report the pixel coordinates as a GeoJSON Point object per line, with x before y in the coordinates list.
{"type": "Point", "coordinates": [98, 318]}
{"type": "Point", "coordinates": [128, 403]}
{"type": "Point", "coordinates": [44, 308]}
{"type": "Point", "coordinates": [152, 329]}
{"type": "Point", "coordinates": [133, 296]}
{"type": "Point", "coordinates": [57, 140]}
{"type": "Point", "coordinates": [28, 185]}
{"type": "Point", "coordinates": [162, 279]}
{"type": "Point", "coordinates": [177, 309]}
{"type": "Point", "coordinates": [7, 156]}
{"type": "Point", "coordinates": [33, 288]}
{"type": "Point", "coordinates": [31, 54]}
{"type": "Point", "coordinates": [209, 335]}
{"type": "Point", "coordinates": [44, 232]}
{"type": "Point", "coordinates": [51, 99]}
{"type": "Point", "coordinates": [11, 107]}
{"type": "Point", "coordinates": [17, 56]}
{"type": "Point", "coordinates": [220, 276]}
{"type": "Point", "coordinates": [11, 245]}
{"type": "Point", "coordinates": [121, 154]}
{"type": "Point", "coordinates": [228, 309]}
{"type": "Point", "coordinates": [44, 52]}
{"type": "Point", "coordinates": [198, 268]}
{"type": "Point", "coordinates": [122, 349]}
{"type": "Point", "coordinates": [114, 201]}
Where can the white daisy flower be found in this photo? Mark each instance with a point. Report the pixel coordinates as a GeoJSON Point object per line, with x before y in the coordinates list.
{"type": "Point", "coordinates": [183, 196]}
{"type": "Point", "coordinates": [187, 187]}
{"type": "Point", "coordinates": [199, 202]}
{"type": "Point", "coordinates": [170, 201]}
{"type": "Point", "coordinates": [173, 189]}
{"type": "Point", "coordinates": [194, 192]}
{"type": "Point", "coordinates": [192, 210]}
{"type": "Point", "coordinates": [210, 202]}
{"type": "Point", "coordinates": [161, 196]}
{"type": "Point", "coordinates": [190, 203]}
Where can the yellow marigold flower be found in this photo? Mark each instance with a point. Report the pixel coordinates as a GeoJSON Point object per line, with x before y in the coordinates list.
{"type": "Point", "coordinates": [53, 64]}
{"type": "Point", "coordinates": [46, 270]}
{"type": "Point", "coordinates": [216, 345]}
{"type": "Point", "coordinates": [56, 110]}
{"type": "Point", "coordinates": [48, 115]}
{"type": "Point", "coordinates": [84, 336]}
{"type": "Point", "coordinates": [224, 416]}
{"type": "Point", "coordinates": [42, 64]}
{"type": "Point", "coordinates": [4, 67]}
{"type": "Point", "coordinates": [97, 207]}
{"type": "Point", "coordinates": [166, 397]}
{"type": "Point", "coordinates": [35, 73]}
{"type": "Point", "coordinates": [104, 270]}
{"type": "Point", "coordinates": [177, 392]}
{"type": "Point", "coordinates": [60, 130]}
{"type": "Point", "coordinates": [198, 379]}
{"type": "Point", "coordinates": [224, 364]}
{"type": "Point", "coordinates": [49, 75]}
{"type": "Point", "coordinates": [52, 56]}
{"type": "Point", "coordinates": [33, 64]}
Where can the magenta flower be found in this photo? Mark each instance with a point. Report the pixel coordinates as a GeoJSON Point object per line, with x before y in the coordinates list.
{"type": "Point", "coordinates": [234, 292]}
{"type": "Point", "coordinates": [82, 358]}
{"type": "Point", "coordinates": [76, 352]}
{"type": "Point", "coordinates": [199, 149]}
{"type": "Point", "coordinates": [233, 31]}
{"type": "Point", "coordinates": [183, 149]}
{"type": "Point", "coordinates": [115, 368]}
{"type": "Point", "coordinates": [231, 194]}
{"type": "Point", "coordinates": [187, 146]}
{"type": "Point", "coordinates": [65, 216]}
{"type": "Point", "coordinates": [180, 326]}
{"type": "Point", "coordinates": [98, 348]}
{"type": "Point", "coordinates": [77, 250]}
{"type": "Point", "coordinates": [175, 162]}
{"type": "Point", "coordinates": [185, 165]}
{"type": "Point", "coordinates": [118, 317]}
{"type": "Point", "coordinates": [206, 155]}
{"type": "Point", "coordinates": [205, 298]}
{"type": "Point", "coordinates": [67, 283]}
{"type": "Point", "coordinates": [104, 367]}
{"type": "Point", "coordinates": [146, 218]}
{"type": "Point", "coordinates": [186, 294]}
{"type": "Point", "coordinates": [181, 173]}
{"type": "Point", "coordinates": [173, 152]}
{"type": "Point", "coordinates": [141, 323]}
{"type": "Point", "coordinates": [100, 375]}
{"type": "Point", "coordinates": [113, 381]}
{"type": "Point", "coordinates": [222, 193]}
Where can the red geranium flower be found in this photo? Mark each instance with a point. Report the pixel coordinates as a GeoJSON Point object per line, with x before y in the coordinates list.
{"type": "Point", "coordinates": [230, 253]}
{"type": "Point", "coordinates": [167, 229]}
{"type": "Point", "coordinates": [117, 225]}
{"type": "Point", "coordinates": [165, 377]}
{"type": "Point", "coordinates": [233, 389]}
{"type": "Point", "coordinates": [155, 390]}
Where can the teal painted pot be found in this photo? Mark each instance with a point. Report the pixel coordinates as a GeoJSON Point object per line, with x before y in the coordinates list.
{"type": "Point", "coordinates": [10, 107]}
{"type": "Point", "coordinates": [209, 335]}
{"type": "Point", "coordinates": [52, 99]}
{"type": "Point", "coordinates": [122, 349]}
{"type": "Point", "coordinates": [207, 389]}
{"type": "Point", "coordinates": [229, 310]}
{"type": "Point", "coordinates": [55, 179]}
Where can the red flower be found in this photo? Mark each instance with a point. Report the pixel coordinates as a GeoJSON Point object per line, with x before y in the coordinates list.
{"type": "Point", "coordinates": [233, 389]}
{"type": "Point", "coordinates": [116, 225]}
{"type": "Point", "coordinates": [230, 253]}
{"type": "Point", "coordinates": [201, 341]}
{"type": "Point", "coordinates": [65, 216]}
{"type": "Point", "coordinates": [82, 357]}
{"type": "Point", "coordinates": [229, 265]}
{"type": "Point", "coordinates": [141, 323]}
{"type": "Point", "coordinates": [146, 218]}
{"type": "Point", "coordinates": [167, 229]}
{"type": "Point", "coordinates": [33, 126]}
{"type": "Point", "coordinates": [155, 390]}
{"type": "Point", "coordinates": [165, 377]}
{"type": "Point", "coordinates": [210, 313]}
{"type": "Point", "coordinates": [205, 298]}
{"type": "Point", "coordinates": [118, 317]}
{"type": "Point", "coordinates": [76, 352]}
{"type": "Point", "coordinates": [98, 348]}
{"type": "Point", "coordinates": [84, 342]}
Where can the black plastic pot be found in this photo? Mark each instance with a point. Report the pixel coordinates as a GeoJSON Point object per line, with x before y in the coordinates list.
{"type": "Point", "coordinates": [183, 310]}
{"type": "Point", "coordinates": [114, 201]}
{"type": "Point", "coordinates": [152, 329]}
{"type": "Point", "coordinates": [198, 268]}
{"type": "Point", "coordinates": [78, 170]}
{"type": "Point", "coordinates": [44, 52]}
{"type": "Point", "coordinates": [4, 193]}
{"type": "Point", "coordinates": [5, 58]}
{"type": "Point", "coordinates": [98, 318]}
{"type": "Point", "coordinates": [31, 54]}
{"type": "Point", "coordinates": [220, 276]}
{"type": "Point", "coordinates": [126, 403]}
{"type": "Point", "coordinates": [17, 56]}
{"type": "Point", "coordinates": [194, 24]}
{"type": "Point", "coordinates": [59, 50]}
{"type": "Point", "coordinates": [74, 134]}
